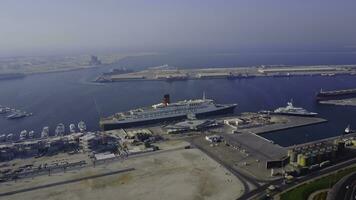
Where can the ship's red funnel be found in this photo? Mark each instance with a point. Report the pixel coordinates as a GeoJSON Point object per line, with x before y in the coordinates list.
{"type": "Point", "coordinates": [166, 99]}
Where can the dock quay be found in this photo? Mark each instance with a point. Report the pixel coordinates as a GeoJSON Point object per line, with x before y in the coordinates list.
{"type": "Point", "coordinates": [292, 122]}
{"type": "Point", "coordinates": [176, 74]}
{"type": "Point", "coordinates": [259, 124]}
{"type": "Point", "coordinates": [336, 94]}
{"type": "Point", "coordinates": [242, 147]}
{"type": "Point", "coordinates": [339, 102]}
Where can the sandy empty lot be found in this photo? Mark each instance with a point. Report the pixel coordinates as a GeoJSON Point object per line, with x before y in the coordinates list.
{"type": "Point", "coordinates": [178, 174]}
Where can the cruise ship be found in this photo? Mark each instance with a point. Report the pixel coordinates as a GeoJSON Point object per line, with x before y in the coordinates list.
{"type": "Point", "coordinates": [290, 110]}
{"type": "Point", "coordinates": [165, 111]}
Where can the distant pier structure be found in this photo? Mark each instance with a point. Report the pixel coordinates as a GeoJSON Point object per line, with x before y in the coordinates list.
{"type": "Point", "coordinates": [94, 60]}
{"type": "Point", "coordinates": [336, 94]}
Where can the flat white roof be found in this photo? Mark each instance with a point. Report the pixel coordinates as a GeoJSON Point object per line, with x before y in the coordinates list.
{"type": "Point", "coordinates": [104, 156]}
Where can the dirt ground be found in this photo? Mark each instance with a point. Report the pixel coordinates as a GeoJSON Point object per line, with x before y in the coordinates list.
{"type": "Point", "coordinates": [175, 174]}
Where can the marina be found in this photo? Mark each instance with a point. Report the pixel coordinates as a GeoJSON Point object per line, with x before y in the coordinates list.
{"type": "Point", "coordinates": [45, 133]}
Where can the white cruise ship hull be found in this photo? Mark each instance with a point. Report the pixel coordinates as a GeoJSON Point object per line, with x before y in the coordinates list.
{"type": "Point", "coordinates": [111, 125]}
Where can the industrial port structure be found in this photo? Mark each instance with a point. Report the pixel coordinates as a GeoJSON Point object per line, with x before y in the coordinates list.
{"type": "Point", "coordinates": [174, 74]}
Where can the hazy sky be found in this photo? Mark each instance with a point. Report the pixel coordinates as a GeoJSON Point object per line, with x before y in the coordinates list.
{"type": "Point", "coordinates": [47, 26]}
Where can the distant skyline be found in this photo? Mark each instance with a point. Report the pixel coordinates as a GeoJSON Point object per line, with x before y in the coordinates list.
{"type": "Point", "coordinates": [44, 27]}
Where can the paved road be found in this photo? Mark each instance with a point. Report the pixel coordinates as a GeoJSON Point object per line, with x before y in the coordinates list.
{"type": "Point", "coordinates": [344, 189]}
{"type": "Point", "coordinates": [350, 193]}
{"type": "Point", "coordinates": [261, 191]}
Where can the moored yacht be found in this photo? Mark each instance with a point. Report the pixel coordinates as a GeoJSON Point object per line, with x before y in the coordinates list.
{"type": "Point", "coordinates": [60, 130]}
{"type": "Point", "coordinates": [82, 126]}
{"type": "Point", "coordinates": [2, 138]}
{"type": "Point", "coordinates": [31, 134]}
{"type": "Point", "coordinates": [348, 130]}
{"type": "Point", "coordinates": [9, 137]}
{"type": "Point", "coordinates": [72, 128]}
{"type": "Point", "coordinates": [290, 110]}
{"type": "Point", "coordinates": [23, 134]}
{"type": "Point", "coordinates": [45, 132]}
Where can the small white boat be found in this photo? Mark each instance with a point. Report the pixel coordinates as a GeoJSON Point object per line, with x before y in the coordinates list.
{"type": "Point", "coordinates": [3, 110]}
{"type": "Point", "coordinates": [60, 129]}
{"type": "Point", "coordinates": [72, 128]}
{"type": "Point", "coordinates": [2, 138]}
{"type": "Point", "coordinates": [348, 130]}
{"type": "Point", "coordinates": [82, 126]}
{"type": "Point", "coordinates": [23, 135]}
{"type": "Point", "coordinates": [45, 132]}
{"type": "Point", "coordinates": [31, 134]}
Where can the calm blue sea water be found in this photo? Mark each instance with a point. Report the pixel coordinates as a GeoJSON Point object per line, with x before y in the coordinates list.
{"type": "Point", "coordinates": [69, 97]}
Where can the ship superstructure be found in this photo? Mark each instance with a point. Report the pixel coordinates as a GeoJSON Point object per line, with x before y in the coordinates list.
{"type": "Point", "coordinates": [290, 110]}
{"type": "Point", "coordinates": [165, 111]}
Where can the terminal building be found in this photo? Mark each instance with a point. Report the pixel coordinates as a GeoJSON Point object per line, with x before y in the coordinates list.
{"type": "Point", "coordinates": [190, 125]}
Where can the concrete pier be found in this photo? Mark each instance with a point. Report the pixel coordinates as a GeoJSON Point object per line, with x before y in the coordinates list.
{"type": "Point", "coordinates": [290, 122]}
{"type": "Point", "coordinates": [176, 74]}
